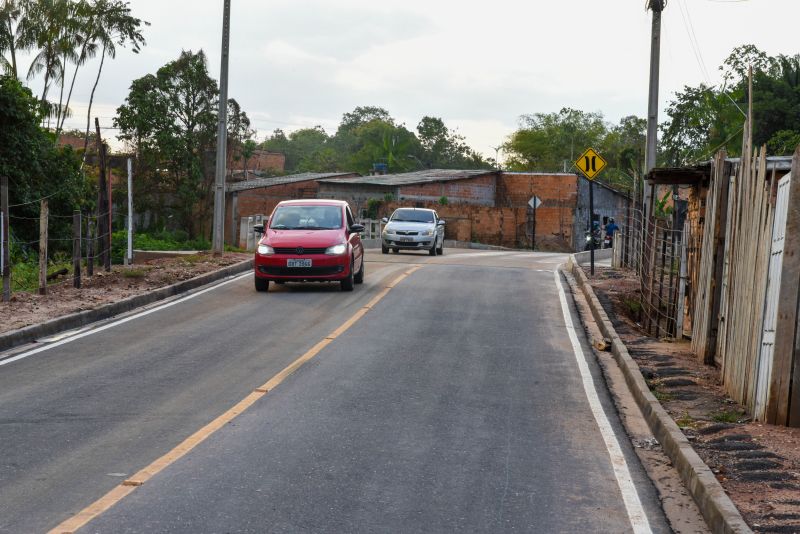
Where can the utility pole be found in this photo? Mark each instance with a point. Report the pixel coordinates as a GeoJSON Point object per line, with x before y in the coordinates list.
{"type": "Point", "coordinates": [656, 6]}
{"type": "Point", "coordinates": [129, 254]}
{"type": "Point", "coordinates": [222, 137]}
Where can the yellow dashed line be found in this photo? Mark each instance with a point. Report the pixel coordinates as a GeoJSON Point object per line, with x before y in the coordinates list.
{"type": "Point", "coordinates": [120, 492]}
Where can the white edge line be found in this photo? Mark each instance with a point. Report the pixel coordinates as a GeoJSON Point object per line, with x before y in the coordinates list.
{"type": "Point", "coordinates": [630, 496]}
{"type": "Point", "coordinates": [120, 321]}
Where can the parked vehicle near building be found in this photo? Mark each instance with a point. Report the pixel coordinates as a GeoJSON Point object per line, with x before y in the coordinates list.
{"type": "Point", "coordinates": [413, 229]}
{"type": "Point", "coordinates": [310, 240]}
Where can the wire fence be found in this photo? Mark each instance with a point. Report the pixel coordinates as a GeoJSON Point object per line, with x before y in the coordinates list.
{"type": "Point", "coordinates": [68, 247]}
{"type": "Point", "coordinates": [656, 250]}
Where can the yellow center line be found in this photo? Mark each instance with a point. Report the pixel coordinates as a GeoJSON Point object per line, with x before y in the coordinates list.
{"type": "Point", "coordinates": [129, 485]}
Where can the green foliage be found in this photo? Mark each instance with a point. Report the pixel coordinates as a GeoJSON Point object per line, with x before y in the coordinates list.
{"type": "Point", "coordinates": [369, 135]}
{"type": "Point", "coordinates": [550, 142]}
{"type": "Point", "coordinates": [443, 201]}
{"type": "Point", "coordinates": [59, 35]}
{"type": "Point", "coordinates": [373, 205]}
{"type": "Point", "coordinates": [703, 120]}
{"type": "Point", "coordinates": [35, 168]}
{"type": "Point", "coordinates": [727, 416]}
{"type": "Point", "coordinates": [25, 275]}
{"type": "Point", "coordinates": [156, 241]}
{"type": "Point", "coordinates": [170, 119]}
{"type": "Point", "coordinates": [134, 273]}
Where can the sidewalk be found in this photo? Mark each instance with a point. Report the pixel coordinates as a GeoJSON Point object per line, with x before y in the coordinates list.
{"type": "Point", "coordinates": [757, 465]}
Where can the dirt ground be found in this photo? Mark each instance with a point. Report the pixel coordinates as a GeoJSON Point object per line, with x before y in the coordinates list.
{"type": "Point", "coordinates": [26, 309]}
{"type": "Point", "coordinates": [757, 464]}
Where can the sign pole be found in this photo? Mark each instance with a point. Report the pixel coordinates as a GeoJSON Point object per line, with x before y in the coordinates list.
{"type": "Point", "coordinates": [591, 223]}
{"type": "Point", "coordinates": [590, 163]}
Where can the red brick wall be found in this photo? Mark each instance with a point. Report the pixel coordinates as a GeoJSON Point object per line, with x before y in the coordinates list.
{"type": "Point", "coordinates": [261, 160]}
{"type": "Point", "coordinates": [479, 190]}
{"type": "Point", "coordinates": [503, 226]}
{"type": "Point", "coordinates": [263, 200]}
{"type": "Point", "coordinates": [554, 217]}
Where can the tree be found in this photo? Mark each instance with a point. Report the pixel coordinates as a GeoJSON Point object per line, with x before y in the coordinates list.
{"type": "Point", "coordinates": [170, 120]}
{"type": "Point", "coordinates": [703, 119]}
{"type": "Point", "coordinates": [111, 25]}
{"type": "Point", "coordinates": [362, 115]}
{"type": "Point", "coordinates": [623, 147]}
{"type": "Point", "coordinates": [15, 35]}
{"type": "Point", "coordinates": [35, 168]}
{"type": "Point", "coordinates": [50, 24]}
{"type": "Point", "coordinates": [549, 141]}
{"type": "Point", "coordinates": [445, 149]}
{"type": "Point", "coordinates": [370, 135]}
{"type": "Point", "coordinates": [239, 133]}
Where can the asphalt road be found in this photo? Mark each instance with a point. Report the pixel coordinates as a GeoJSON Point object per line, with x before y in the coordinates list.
{"type": "Point", "coordinates": [455, 404]}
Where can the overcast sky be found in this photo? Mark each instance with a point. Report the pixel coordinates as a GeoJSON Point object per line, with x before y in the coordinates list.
{"type": "Point", "coordinates": [477, 65]}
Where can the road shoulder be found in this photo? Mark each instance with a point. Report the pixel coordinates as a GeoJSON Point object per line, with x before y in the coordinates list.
{"type": "Point", "coordinates": [716, 507]}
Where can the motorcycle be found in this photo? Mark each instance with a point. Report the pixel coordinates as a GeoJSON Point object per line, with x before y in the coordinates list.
{"type": "Point", "coordinates": [593, 237]}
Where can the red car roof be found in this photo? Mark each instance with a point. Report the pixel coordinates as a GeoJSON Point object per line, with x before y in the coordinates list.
{"type": "Point", "coordinates": [313, 202]}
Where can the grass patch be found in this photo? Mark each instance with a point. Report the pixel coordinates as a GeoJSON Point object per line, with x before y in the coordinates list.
{"type": "Point", "coordinates": [662, 396]}
{"type": "Point", "coordinates": [686, 421]}
{"type": "Point", "coordinates": [25, 276]}
{"type": "Point", "coordinates": [134, 273]}
{"type": "Point", "coordinates": [727, 416]}
{"type": "Point", "coordinates": [632, 307]}
{"type": "Point", "coordinates": [192, 259]}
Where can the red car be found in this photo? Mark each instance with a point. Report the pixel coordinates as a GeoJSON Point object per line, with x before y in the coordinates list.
{"type": "Point", "coordinates": [310, 240]}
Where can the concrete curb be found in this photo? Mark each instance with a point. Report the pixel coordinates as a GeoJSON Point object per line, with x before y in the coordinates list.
{"type": "Point", "coordinates": [599, 255]}
{"type": "Point", "coordinates": [718, 510]}
{"type": "Point", "coordinates": [15, 338]}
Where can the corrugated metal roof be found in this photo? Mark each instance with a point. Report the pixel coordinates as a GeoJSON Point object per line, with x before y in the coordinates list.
{"type": "Point", "coordinates": [778, 163]}
{"type": "Point", "coordinates": [410, 178]}
{"type": "Point", "coordinates": [281, 180]}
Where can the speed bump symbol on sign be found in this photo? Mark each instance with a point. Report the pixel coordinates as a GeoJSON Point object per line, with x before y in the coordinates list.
{"type": "Point", "coordinates": [590, 163]}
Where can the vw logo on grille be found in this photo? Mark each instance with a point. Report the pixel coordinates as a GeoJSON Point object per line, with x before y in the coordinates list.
{"type": "Point", "coordinates": [300, 250]}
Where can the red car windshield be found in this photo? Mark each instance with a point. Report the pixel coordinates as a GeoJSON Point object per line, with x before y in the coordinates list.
{"type": "Point", "coordinates": [306, 218]}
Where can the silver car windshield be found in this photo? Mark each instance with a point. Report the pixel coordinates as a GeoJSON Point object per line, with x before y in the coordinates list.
{"type": "Point", "coordinates": [409, 215]}
{"type": "Point", "coordinates": [306, 218]}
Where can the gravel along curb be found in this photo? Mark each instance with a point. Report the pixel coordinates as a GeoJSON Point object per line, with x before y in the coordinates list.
{"type": "Point", "coordinates": [15, 338]}
{"type": "Point", "coordinates": [718, 510]}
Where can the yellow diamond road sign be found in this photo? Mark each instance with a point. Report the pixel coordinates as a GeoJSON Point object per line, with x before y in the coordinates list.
{"type": "Point", "coordinates": [590, 163]}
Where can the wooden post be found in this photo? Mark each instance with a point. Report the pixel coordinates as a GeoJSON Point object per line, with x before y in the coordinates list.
{"type": "Point", "coordinates": [90, 236]}
{"type": "Point", "coordinates": [5, 267]}
{"type": "Point", "coordinates": [76, 249]}
{"type": "Point", "coordinates": [102, 195]}
{"type": "Point", "coordinates": [783, 405]}
{"type": "Point", "coordinates": [234, 219]}
{"type": "Point", "coordinates": [43, 215]}
{"type": "Point", "coordinates": [721, 223]}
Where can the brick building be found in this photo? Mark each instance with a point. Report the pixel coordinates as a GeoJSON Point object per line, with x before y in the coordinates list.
{"type": "Point", "coordinates": [458, 187]}
{"type": "Point", "coordinates": [260, 196]}
{"type": "Point", "coordinates": [485, 206]}
{"type": "Point", "coordinates": [262, 161]}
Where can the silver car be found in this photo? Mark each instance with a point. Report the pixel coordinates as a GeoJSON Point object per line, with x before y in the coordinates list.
{"type": "Point", "coordinates": [413, 229]}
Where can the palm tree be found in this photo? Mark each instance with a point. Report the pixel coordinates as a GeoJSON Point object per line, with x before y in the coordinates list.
{"type": "Point", "coordinates": [84, 20]}
{"type": "Point", "coordinates": [13, 35]}
{"type": "Point", "coordinates": [112, 25]}
{"type": "Point", "coordinates": [45, 23]}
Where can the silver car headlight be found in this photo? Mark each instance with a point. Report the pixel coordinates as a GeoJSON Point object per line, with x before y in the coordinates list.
{"type": "Point", "coordinates": [266, 250]}
{"type": "Point", "coordinates": [336, 250]}
{"type": "Point", "coordinates": [428, 232]}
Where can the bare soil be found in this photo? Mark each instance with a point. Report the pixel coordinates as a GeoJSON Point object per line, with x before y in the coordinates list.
{"type": "Point", "coordinates": [62, 298]}
{"type": "Point", "coordinates": [757, 464]}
